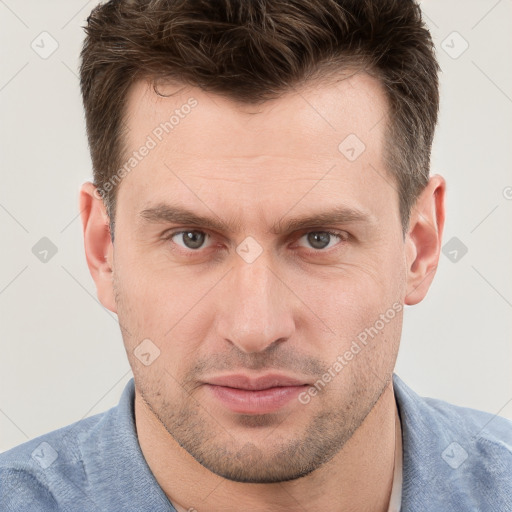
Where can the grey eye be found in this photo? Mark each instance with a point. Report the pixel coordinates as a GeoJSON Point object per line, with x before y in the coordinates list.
{"type": "Point", "coordinates": [191, 239]}
{"type": "Point", "coordinates": [322, 239]}
{"type": "Point", "coordinates": [319, 240]}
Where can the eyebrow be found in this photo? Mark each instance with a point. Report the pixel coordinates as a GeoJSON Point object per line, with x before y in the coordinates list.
{"type": "Point", "coordinates": [166, 213]}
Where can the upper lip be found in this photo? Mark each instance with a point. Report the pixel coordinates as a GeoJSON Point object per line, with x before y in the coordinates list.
{"type": "Point", "coordinates": [241, 381]}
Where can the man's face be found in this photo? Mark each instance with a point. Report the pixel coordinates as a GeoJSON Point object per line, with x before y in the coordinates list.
{"type": "Point", "coordinates": [252, 295]}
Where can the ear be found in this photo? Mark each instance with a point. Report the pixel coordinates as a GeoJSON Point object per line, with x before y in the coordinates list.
{"type": "Point", "coordinates": [99, 250]}
{"type": "Point", "coordinates": [423, 241]}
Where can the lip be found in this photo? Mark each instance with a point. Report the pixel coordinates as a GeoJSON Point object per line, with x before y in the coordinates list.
{"type": "Point", "coordinates": [258, 395]}
{"type": "Point", "coordinates": [241, 381]}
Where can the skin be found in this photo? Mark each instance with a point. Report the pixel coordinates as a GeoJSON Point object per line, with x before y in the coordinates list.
{"type": "Point", "coordinates": [293, 310]}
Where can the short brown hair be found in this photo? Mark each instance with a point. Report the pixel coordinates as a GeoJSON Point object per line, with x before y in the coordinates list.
{"type": "Point", "coordinates": [254, 50]}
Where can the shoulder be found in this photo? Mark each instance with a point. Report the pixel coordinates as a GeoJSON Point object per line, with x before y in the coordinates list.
{"type": "Point", "coordinates": [32, 473]}
{"type": "Point", "coordinates": [481, 441]}
{"type": "Point", "coordinates": [453, 455]}
{"type": "Point", "coordinates": [21, 490]}
{"type": "Point", "coordinates": [435, 414]}
{"type": "Point", "coordinates": [93, 464]}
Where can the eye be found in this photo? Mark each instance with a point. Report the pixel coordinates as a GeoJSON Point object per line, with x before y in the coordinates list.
{"type": "Point", "coordinates": [193, 240]}
{"type": "Point", "coordinates": [189, 239]}
{"type": "Point", "coordinates": [320, 240]}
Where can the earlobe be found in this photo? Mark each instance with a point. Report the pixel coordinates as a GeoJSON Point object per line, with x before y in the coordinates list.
{"type": "Point", "coordinates": [97, 244]}
{"type": "Point", "coordinates": [423, 242]}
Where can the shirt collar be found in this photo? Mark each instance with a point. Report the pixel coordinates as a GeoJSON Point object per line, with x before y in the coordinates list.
{"type": "Point", "coordinates": [396, 491]}
{"type": "Point", "coordinates": [115, 467]}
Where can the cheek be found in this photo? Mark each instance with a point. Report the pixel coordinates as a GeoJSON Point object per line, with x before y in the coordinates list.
{"type": "Point", "coordinates": [357, 295]}
{"type": "Point", "coordinates": [164, 308]}
{"type": "Point", "coordinates": [363, 308]}
{"type": "Point", "coordinates": [141, 310]}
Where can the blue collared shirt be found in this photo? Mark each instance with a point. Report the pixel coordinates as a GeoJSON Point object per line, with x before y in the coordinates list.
{"type": "Point", "coordinates": [454, 459]}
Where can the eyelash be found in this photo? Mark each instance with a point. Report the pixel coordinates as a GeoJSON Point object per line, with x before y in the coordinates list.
{"type": "Point", "coordinates": [342, 235]}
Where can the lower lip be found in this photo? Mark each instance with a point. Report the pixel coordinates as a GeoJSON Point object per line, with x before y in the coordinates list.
{"type": "Point", "coordinates": [263, 401]}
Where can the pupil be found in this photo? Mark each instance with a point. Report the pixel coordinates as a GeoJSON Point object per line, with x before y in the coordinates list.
{"type": "Point", "coordinates": [319, 239]}
{"type": "Point", "coordinates": [193, 239]}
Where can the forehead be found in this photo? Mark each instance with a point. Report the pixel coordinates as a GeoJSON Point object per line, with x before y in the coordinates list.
{"type": "Point", "coordinates": [323, 141]}
{"type": "Point", "coordinates": [317, 115]}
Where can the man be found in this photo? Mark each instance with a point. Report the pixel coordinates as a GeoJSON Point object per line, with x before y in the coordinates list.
{"type": "Point", "coordinates": [261, 212]}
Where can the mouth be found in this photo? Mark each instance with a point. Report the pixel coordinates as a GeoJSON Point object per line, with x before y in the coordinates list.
{"type": "Point", "coordinates": [242, 394]}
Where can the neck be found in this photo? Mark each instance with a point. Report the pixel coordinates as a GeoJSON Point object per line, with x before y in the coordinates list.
{"type": "Point", "coordinates": [358, 478]}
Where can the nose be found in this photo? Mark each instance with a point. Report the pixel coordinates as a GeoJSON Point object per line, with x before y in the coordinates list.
{"type": "Point", "coordinates": [257, 310]}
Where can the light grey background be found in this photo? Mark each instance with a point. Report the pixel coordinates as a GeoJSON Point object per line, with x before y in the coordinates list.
{"type": "Point", "coordinates": [62, 356]}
